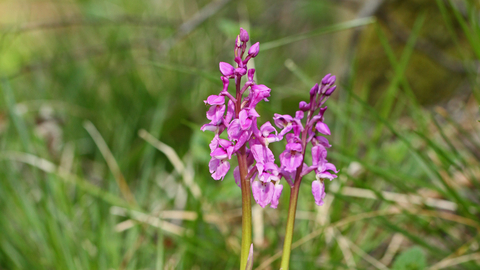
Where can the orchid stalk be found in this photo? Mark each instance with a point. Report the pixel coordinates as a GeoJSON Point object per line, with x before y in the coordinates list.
{"type": "Point", "coordinates": [294, 155]}
{"type": "Point", "coordinates": [257, 172]}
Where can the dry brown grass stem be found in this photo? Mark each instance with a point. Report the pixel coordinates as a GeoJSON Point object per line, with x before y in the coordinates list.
{"type": "Point", "coordinates": [345, 247]}
{"type": "Point", "coordinates": [392, 248]}
{"type": "Point", "coordinates": [399, 198]}
{"type": "Point", "coordinates": [377, 264]}
{"type": "Point", "coordinates": [175, 160]}
{"type": "Point", "coordinates": [111, 162]}
{"type": "Point", "coordinates": [456, 261]}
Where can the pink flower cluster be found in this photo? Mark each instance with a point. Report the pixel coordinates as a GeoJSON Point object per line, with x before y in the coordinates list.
{"type": "Point", "coordinates": [292, 159]}
{"type": "Point", "coordinates": [239, 118]}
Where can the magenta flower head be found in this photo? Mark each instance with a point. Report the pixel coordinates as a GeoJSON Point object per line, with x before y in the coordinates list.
{"type": "Point", "coordinates": [245, 140]}
{"type": "Point", "coordinates": [292, 159]}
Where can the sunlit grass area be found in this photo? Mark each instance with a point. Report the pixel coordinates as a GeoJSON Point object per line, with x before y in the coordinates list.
{"type": "Point", "coordinates": [103, 164]}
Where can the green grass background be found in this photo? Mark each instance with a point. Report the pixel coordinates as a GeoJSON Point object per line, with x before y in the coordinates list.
{"type": "Point", "coordinates": [103, 165]}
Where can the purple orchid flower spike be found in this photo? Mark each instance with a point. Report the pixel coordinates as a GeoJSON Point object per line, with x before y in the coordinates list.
{"type": "Point", "coordinates": [257, 172]}
{"type": "Point", "coordinates": [239, 117]}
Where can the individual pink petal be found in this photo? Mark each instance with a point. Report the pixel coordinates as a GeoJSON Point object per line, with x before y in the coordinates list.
{"type": "Point", "coordinates": [226, 69]}
{"type": "Point", "coordinates": [318, 190]}
{"type": "Point", "coordinates": [297, 147]}
{"type": "Point", "coordinates": [319, 153]}
{"type": "Point", "coordinates": [276, 196]}
{"type": "Point", "coordinates": [269, 157]}
{"type": "Point", "coordinates": [221, 171]}
{"type": "Point", "coordinates": [331, 167]}
{"type": "Point", "coordinates": [213, 164]}
{"type": "Point", "coordinates": [261, 88]}
{"type": "Point", "coordinates": [257, 151]}
{"type": "Point", "coordinates": [214, 143]}
{"type": "Point", "coordinates": [299, 114]}
{"type": "Point", "coordinates": [325, 175]}
{"type": "Point", "coordinates": [215, 100]}
{"type": "Point", "coordinates": [257, 190]}
{"type": "Point", "coordinates": [219, 153]}
{"type": "Point", "coordinates": [234, 130]}
{"type": "Point", "coordinates": [215, 114]}
{"type": "Point", "coordinates": [245, 121]}
{"type": "Point", "coordinates": [306, 169]}
{"type": "Point", "coordinates": [224, 143]}
{"type": "Point", "coordinates": [322, 128]}
{"type": "Point", "coordinates": [210, 127]}
{"type": "Point", "coordinates": [230, 112]}
{"type": "Point", "coordinates": [266, 129]}
{"type": "Point", "coordinates": [253, 113]}
{"type": "Point", "coordinates": [297, 126]}
{"type": "Point", "coordinates": [260, 167]}
{"type": "Point", "coordinates": [262, 192]}
{"type": "Point", "coordinates": [236, 176]}
{"type": "Point", "coordinates": [243, 138]}
{"type": "Point", "coordinates": [282, 121]}
{"type": "Point", "coordinates": [322, 141]}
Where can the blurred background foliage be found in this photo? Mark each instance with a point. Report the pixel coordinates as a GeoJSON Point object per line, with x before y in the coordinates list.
{"type": "Point", "coordinates": [103, 165]}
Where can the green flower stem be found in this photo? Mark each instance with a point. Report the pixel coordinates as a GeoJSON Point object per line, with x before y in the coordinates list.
{"type": "Point", "coordinates": [246, 209]}
{"type": "Point", "coordinates": [292, 209]}
{"type": "Point", "coordinates": [246, 191]}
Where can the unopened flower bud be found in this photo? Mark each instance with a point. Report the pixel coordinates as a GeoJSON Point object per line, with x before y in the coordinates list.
{"type": "Point", "coordinates": [304, 106]}
{"type": "Point", "coordinates": [253, 51]}
{"type": "Point", "coordinates": [299, 114]}
{"type": "Point", "coordinates": [243, 35]}
{"type": "Point", "coordinates": [333, 79]}
{"type": "Point", "coordinates": [314, 90]}
{"type": "Point", "coordinates": [330, 90]}
{"type": "Point", "coordinates": [238, 43]}
{"type": "Point", "coordinates": [326, 79]}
